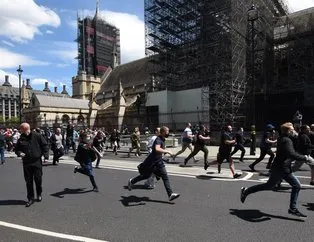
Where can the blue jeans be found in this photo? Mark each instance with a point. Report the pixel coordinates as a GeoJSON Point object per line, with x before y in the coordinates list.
{"type": "Point", "coordinates": [2, 150]}
{"type": "Point", "coordinates": [274, 178]}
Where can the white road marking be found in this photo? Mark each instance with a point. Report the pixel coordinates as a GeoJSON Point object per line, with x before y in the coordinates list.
{"type": "Point", "coordinates": [49, 233]}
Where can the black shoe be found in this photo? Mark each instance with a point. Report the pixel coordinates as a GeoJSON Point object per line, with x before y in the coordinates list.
{"type": "Point", "coordinates": [29, 203]}
{"type": "Point", "coordinates": [312, 183]}
{"type": "Point", "coordinates": [296, 212]}
{"type": "Point", "coordinates": [39, 198]}
{"type": "Point", "coordinates": [185, 162]}
{"type": "Point", "coordinates": [243, 195]}
{"type": "Point", "coordinates": [219, 168]}
{"type": "Point", "coordinates": [241, 160]}
{"type": "Point", "coordinates": [206, 165]}
{"type": "Point", "coordinates": [236, 175]}
{"type": "Point", "coordinates": [252, 167]}
{"type": "Point", "coordinates": [75, 169]}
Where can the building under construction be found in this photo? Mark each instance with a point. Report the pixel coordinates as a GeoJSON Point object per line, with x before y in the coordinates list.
{"type": "Point", "coordinates": [250, 71]}
{"type": "Point", "coordinates": [98, 45]}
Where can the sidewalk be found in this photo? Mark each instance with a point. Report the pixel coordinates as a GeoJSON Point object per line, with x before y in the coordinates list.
{"type": "Point", "coordinates": [213, 150]}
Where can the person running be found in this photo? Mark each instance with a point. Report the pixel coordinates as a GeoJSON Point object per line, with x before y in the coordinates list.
{"type": "Point", "coordinates": [150, 182]}
{"type": "Point", "coordinates": [85, 156]}
{"type": "Point", "coordinates": [97, 144]}
{"type": "Point", "coordinates": [135, 142]}
{"type": "Point", "coordinates": [154, 164]}
{"type": "Point", "coordinates": [281, 169]}
{"type": "Point", "coordinates": [187, 139]}
{"type": "Point", "coordinates": [200, 145]}
{"type": "Point", "coordinates": [224, 153]}
{"type": "Point", "coordinates": [240, 140]}
{"type": "Point", "coordinates": [304, 147]}
{"type": "Point", "coordinates": [268, 140]}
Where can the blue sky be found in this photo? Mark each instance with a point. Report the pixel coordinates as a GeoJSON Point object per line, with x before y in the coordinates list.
{"type": "Point", "coordinates": [40, 34]}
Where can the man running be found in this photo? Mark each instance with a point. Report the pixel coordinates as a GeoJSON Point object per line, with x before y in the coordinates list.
{"type": "Point", "coordinates": [154, 164]}
{"type": "Point", "coordinates": [281, 169]}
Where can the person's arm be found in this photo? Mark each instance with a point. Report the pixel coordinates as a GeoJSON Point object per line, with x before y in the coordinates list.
{"type": "Point", "coordinates": [291, 153]}
{"type": "Point", "coordinates": [161, 150]}
{"type": "Point", "coordinates": [44, 147]}
{"type": "Point", "coordinates": [203, 137]}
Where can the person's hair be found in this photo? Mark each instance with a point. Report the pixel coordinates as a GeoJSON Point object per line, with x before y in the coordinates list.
{"type": "Point", "coordinates": [284, 128]}
{"type": "Point", "coordinates": [83, 135]}
{"type": "Point", "coordinates": [163, 129]}
{"type": "Point", "coordinates": [157, 129]}
{"type": "Point", "coordinates": [304, 127]}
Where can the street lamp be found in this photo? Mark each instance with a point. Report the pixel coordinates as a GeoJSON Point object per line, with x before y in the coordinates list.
{"type": "Point", "coordinates": [252, 16]}
{"type": "Point", "coordinates": [19, 72]}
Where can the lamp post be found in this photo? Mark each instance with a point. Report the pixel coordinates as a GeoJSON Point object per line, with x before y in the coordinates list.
{"type": "Point", "coordinates": [252, 16]}
{"type": "Point", "coordinates": [19, 72]}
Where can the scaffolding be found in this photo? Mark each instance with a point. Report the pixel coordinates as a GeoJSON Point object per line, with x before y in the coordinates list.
{"type": "Point", "coordinates": [208, 44]}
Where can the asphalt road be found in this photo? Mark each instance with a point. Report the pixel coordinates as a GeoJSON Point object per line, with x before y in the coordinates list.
{"type": "Point", "coordinates": [209, 209]}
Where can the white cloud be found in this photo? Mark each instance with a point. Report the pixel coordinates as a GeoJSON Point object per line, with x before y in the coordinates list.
{"type": "Point", "coordinates": [132, 33]}
{"type": "Point", "coordinates": [21, 20]}
{"type": "Point", "coordinates": [64, 51]}
{"type": "Point", "coordinates": [49, 32]}
{"type": "Point", "coordinates": [8, 43]}
{"type": "Point", "coordinates": [41, 81]}
{"type": "Point", "coordinates": [13, 78]}
{"type": "Point", "coordinates": [296, 5]}
{"type": "Point", "coordinates": [11, 59]}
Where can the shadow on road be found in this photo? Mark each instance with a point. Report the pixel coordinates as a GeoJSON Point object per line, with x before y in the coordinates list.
{"type": "Point", "coordinates": [309, 206]}
{"type": "Point", "coordinates": [139, 186]}
{"type": "Point", "coordinates": [254, 215]}
{"type": "Point", "coordinates": [70, 191]}
{"type": "Point", "coordinates": [131, 201]}
{"type": "Point", "coordinates": [206, 177]}
{"type": "Point", "coordinates": [11, 202]}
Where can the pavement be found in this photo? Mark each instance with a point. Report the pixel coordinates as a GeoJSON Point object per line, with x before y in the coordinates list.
{"type": "Point", "coordinates": [207, 210]}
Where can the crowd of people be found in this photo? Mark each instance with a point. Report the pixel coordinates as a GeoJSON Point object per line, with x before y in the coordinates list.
{"type": "Point", "coordinates": [293, 149]}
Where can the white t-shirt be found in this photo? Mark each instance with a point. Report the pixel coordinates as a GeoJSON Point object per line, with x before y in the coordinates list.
{"type": "Point", "coordinates": [186, 135]}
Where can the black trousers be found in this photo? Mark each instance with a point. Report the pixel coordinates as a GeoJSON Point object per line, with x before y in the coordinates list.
{"type": "Point", "coordinates": [33, 173]}
{"type": "Point", "coordinates": [160, 171]}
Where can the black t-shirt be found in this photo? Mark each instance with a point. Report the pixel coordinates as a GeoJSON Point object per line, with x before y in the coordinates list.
{"type": "Point", "coordinates": [225, 148]}
{"type": "Point", "coordinates": [155, 156]}
{"type": "Point", "coordinates": [199, 141]}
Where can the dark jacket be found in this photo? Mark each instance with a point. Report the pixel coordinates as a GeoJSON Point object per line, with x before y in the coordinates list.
{"type": "Point", "coordinates": [285, 155]}
{"type": "Point", "coordinates": [34, 146]}
{"type": "Point", "coordinates": [84, 155]}
{"type": "Point", "coordinates": [304, 145]}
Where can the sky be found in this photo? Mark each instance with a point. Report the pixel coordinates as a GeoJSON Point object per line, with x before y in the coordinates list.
{"type": "Point", "coordinates": [39, 35]}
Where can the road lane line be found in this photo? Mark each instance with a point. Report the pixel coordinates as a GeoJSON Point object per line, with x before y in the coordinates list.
{"type": "Point", "coordinates": [49, 233]}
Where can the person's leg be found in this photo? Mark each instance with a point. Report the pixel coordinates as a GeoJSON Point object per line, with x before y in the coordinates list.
{"type": "Point", "coordinates": [194, 152]}
{"type": "Point", "coordinates": [2, 150]}
{"type": "Point", "coordinates": [271, 158]}
{"type": "Point", "coordinates": [205, 150]}
{"type": "Point", "coordinates": [38, 173]}
{"type": "Point", "coordinates": [296, 187]}
{"type": "Point", "coordinates": [312, 175]}
{"type": "Point", "coordinates": [273, 179]}
{"type": "Point", "coordinates": [241, 147]}
{"type": "Point", "coordinates": [235, 150]}
{"type": "Point", "coordinates": [259, 159]}
{"type": "Point", "coordinates": [29, 179]}
{"type": "Point", "coordinates": [98, 160]}
{"type": "Point", "coordinates": [150, 182]}
{"type": "Point", "coordinates": [162, 172]}
{"type": "Point", "coordinates": [184, 146]}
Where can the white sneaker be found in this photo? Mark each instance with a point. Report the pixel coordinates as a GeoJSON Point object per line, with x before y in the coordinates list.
{"type": "Point", "coordinates": [130, 184]}
{"type": "Point", "coordinates": [173, 196]}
